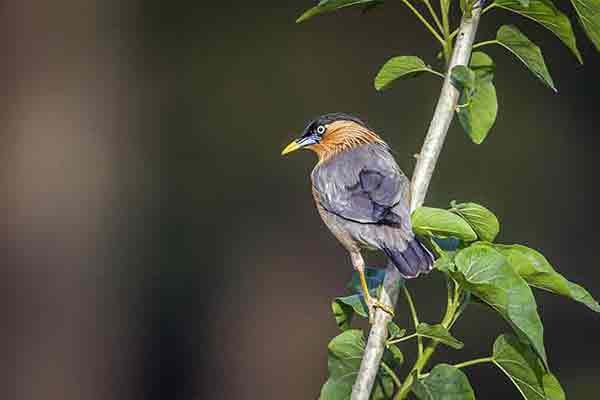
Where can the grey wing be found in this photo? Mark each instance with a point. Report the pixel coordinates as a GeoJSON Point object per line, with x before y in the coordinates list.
{"type": "Point", "coordinates": [365, 186]}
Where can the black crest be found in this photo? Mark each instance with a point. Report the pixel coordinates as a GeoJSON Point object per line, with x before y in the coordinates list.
{"type": "Point", "coordinates": [328, 119]}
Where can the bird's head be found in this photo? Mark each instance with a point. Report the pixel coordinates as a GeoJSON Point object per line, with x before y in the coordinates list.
{"type": "Point", "coordinates": [333, 133]}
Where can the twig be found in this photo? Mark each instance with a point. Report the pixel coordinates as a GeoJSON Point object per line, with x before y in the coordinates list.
{"type": "Point", "coordinates": [434, 15]}
{"type": "Point", "coordinates": [415, 318]}
{"type": "Point", "coordinates": [404, 338]}
{"type": "Point", "coordinates": [473, 362]}
{"type": "Point", "coordinates": [427, 25]}
{"type": "Point", "coordinates": [485, 43]}
{"type": "Point", "coordinates": [444, 112]}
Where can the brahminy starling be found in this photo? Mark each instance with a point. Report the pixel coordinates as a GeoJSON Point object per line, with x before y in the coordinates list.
{"type": "Point", "coordinates": [362, 196]}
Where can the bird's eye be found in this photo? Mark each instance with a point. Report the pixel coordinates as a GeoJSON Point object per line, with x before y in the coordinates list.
{"type": "Point", "coordinates": [320, 129]}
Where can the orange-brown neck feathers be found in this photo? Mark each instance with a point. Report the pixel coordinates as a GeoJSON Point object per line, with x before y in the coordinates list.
{"type": "Point", "coordinates": [341, 136]}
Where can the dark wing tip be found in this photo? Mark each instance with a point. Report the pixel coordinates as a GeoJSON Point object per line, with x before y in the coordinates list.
{"type": "Point", "coordinates": [412, 261]}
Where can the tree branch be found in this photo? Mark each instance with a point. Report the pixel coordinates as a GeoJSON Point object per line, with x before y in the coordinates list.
{"type": "Point", "coordinates": [434, 140]}
{"type": "Point", "coordinates": [444, 112]}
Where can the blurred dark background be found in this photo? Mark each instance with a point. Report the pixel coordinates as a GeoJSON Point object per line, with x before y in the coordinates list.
{"type": "Point", "coordinates": [156, 245]}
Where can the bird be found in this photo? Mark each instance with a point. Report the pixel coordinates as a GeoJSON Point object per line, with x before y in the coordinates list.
{"type": "Point", "coordinates": [362, 196]}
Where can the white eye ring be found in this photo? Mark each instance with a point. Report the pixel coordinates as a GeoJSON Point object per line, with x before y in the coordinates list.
{"type": "Point", "coordinates": [320, 129]}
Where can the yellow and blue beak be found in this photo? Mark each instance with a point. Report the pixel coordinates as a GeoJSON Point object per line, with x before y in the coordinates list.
{"type": "Point", "coordinates": [299, 143]}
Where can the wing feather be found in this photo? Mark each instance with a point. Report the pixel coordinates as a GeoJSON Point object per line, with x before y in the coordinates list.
{"type": "Point", "coordinates": [363, 185]}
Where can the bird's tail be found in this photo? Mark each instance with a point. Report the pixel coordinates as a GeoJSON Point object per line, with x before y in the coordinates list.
{"type": "Point", "coordinates": [413, 260]}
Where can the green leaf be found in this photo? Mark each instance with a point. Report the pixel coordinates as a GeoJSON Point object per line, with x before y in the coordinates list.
{"type": "Point", "coordinates": [344, 308]}
{"type": "Point", "coordinates": [517, 43]}
{"type": "Point", "coordinates": [463, 77]}
{"type": "Point", "coordinates": [326, 6]}
{"type": "Point", "coordinates": [438, 332]}
{"type": "Point", "coordinates": [371, 6]}
{"type": "Point", "coordinates": [445, 263]}
{"type": "Point", "coordinates": [444, 382]}
{"type": "Point", "coordinates": [483, 66]}
{"type": "Point", "coordinates": [545, 13]}
{"type": "Point", "coordinates": [538, 272]}
{"type": "Point", "coordinates": [479, 114]}
{"type": "Point", "coordinates": [393, 356]}
{"type": "Point", "coordinates": [394, 331]}
{"type": "Point", "coordinates": [436, 222]}
{"type": "Point", "coordinates": [464, 6]}
{"type": "Point", "coordinates": [487, 274]}
{"type": "Point", "coordinates": [521, 365]}
{"type": "Point", "coordinates": [552, 388]}
{"type": "Point", "coordinates": [399, 67]}
{"type": "Point", "coordinates": [478, 106]}
{"type": "Point", "coordinates": [588, 12]}
{"type": "Point", "coordinates": [342, 313]}
{"type": "Point", "coordinates": [344, 357]}
{"type": "Point", "coordinates": [483, 221]}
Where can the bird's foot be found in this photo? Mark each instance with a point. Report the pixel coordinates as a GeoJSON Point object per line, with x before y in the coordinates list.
{"type": "Point", "coordinates": [373, 304]}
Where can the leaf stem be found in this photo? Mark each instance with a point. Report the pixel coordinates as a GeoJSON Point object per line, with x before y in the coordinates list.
{"type": "Point", "coordinates": [447, 47]}
{"type": "Point", "coordinates": [403, 339]}
{"type": "Point", "coordinates": [485, 43]}
{"type": "Point", "coordinates": [453, 34]}
{"type": "Point", "coordinates": [433, 71]}
{"type": "Point", "coordinates": [425, 22]}
{"type": "Point", "coordinates": [451, 307]}
{"type": "Point", "coordinates": [473, 362]}
{"type": "Point", "coordinates": [419, 364]}
{"type": "Point", "coordinates": [488, 8]}
{"type": "Point", "coordinates": [462, 303]}
{"type": "Point", "coordinates": [449, 295]}
{"type": "Point", "coordinates": [391, 373]}
{"type": "Point", "coordinates": [434, 15]}
{"type": "Point", "coordinates": [415, 318]}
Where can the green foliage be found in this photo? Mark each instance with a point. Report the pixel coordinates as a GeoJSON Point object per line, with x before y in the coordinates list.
{"type": "Point", "coordinates": [478, 106]}
{"type": "Point", "coordinates": [483, 221]}
{"type": "Point", "coordinates": [475, 268]}
{"type": "Point", "coordinates": [523, 368]}
{"type": "Point", "coordinates": [400, 67]}
{"type": "Point", "coordinates": [478, 113]}
{"type": "Point", "coordinates": [552, 388]}
{"type": "Point", "coordinates": [495, 274]}
{"type": "Point", "coordinates": [393, 356]}
{"type": "Point", "coordinates": [440, 223]}
{"type": "Point", "coordinates": [483, 66]}
{"type": "Point", "coordinates": [463, 78]}
{"type": "Point", "coordinates": [538, 272]}
{"type": "Point", "coordinates": [444, 382]}
{"type": "Point", "coordinates": [526, 51]}
{"type": "Point", "coordinates": [545, 13]}
{"type": "Point", "coordinates": [445, 262]}
{"type": "Point", "coordinates": [440, 333]}
{"type": "Point", "coordinates": [486, 273]}
{"type": "Point", "coordinates": [344, 355]}
{"type": "Point", "coordinates": [588, 12]}
{"type": "Point", "coordinates": [344, 308]}
{"type": "Point", "coordinates": [395, 332]}
{"type": "Point", "coordinates": [326, 6]}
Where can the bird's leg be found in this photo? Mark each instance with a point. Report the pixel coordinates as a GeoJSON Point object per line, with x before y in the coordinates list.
{"type": "Point", "coordinates": [372, 303]}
